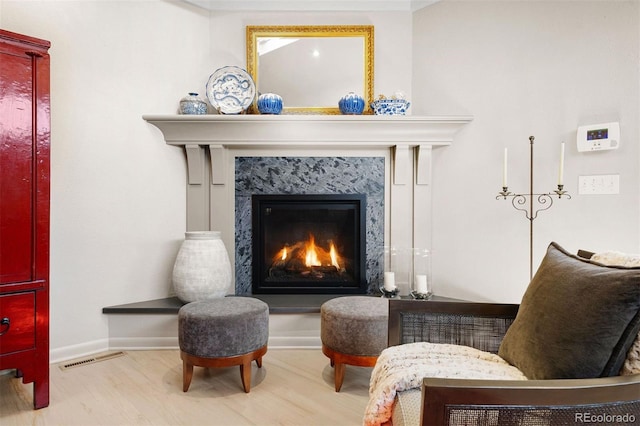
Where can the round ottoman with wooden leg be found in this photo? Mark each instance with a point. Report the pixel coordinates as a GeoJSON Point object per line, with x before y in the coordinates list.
{"type": "Point", "coordinates": [222, 333]}
{"type": "Point", "coordinates": [353, 330]}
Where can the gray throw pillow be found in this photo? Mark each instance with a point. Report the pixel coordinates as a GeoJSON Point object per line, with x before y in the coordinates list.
{"type": "Point", "coordinates": [577, 319]}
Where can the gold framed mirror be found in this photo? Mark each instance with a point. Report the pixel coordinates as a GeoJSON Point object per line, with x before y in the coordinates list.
{"type": "Point", "coordinates": [312, 67]}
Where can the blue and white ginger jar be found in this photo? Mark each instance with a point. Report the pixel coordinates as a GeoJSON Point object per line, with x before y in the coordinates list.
{"type": "Point", "coordinates": [351, 104]}
{"type": "Point", "coordinates": [269, 103]}
{"type": "Point", "coordinates": [193, 105]}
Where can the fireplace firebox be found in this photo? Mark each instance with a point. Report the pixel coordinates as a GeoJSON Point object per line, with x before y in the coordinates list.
{"type": "Point", "coordinates": [309, 244]}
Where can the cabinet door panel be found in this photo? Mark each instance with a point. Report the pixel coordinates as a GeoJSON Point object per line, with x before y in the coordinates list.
{"type": "Point", "coordinates": [16, 168]}
{"type": "Point", "coordinates": [17, 322]}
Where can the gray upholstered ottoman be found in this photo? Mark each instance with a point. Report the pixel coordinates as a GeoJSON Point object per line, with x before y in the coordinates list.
{"type": "Point", "coordinates": [353, 330]}
{"type": "Point", "coordinates": [222, 333]}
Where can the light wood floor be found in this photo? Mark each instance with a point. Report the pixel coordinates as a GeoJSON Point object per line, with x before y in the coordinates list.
{"type": "Point", "coordinates": [293, 387]}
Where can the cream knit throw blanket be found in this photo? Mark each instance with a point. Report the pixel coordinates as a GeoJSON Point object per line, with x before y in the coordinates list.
{"type": "Point", "coordinates": [403, 367]}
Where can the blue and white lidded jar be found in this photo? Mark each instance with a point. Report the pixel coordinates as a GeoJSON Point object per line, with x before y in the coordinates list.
{"type": "Point", "coordinates": [193, 105]}
{"type": "Point", "coordinates": [269, 103]}
{"type": "Point", "coordinates": [351, 104]}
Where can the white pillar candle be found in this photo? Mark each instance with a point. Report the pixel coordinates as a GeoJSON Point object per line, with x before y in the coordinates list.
{"type": "Point", "coordinates": [421, 284]}
{"type": "Point", "coordinates": [389, 281]}
{"type": "Point", "coordinates": [561, 168]}
{"type": "Point", "coordinates": [504, 170]}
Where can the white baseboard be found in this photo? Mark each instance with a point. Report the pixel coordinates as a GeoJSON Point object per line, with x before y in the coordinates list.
{"type": "Point", "coordinates": [160, 331]}
{"type": "Point", "coordinates": [151, 343]}
{"type": "Point", "coordinates": [293, 342]}
{"type": "Point", "coordinates": [66, 353]}
{"type": "Point", "coordinates": [142, 343]}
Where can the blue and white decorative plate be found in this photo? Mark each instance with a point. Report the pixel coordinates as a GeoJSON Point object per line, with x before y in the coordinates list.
{"type": "Point", "coordinates": [230, 90]}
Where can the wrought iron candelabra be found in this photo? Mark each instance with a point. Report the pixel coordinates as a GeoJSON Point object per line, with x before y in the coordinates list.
{"type": "Point", "coordinates": [532, 204]}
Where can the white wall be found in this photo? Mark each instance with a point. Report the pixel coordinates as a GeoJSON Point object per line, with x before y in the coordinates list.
{"type": "Point", "coordinates": [117, 190]}
{"type": "Point", "coordinates": [522, 69]}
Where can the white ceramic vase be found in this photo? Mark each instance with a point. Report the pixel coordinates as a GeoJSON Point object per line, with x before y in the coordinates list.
{"type": "Point", "coordinates": [202, 269]}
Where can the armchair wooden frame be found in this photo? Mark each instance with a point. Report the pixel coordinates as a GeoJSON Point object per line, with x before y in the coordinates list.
{"type": "Point", "coordinates": [551, 402]}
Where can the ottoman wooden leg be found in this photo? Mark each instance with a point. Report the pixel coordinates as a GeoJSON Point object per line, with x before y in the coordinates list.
{"type": "Point", "coordinates": [245, 375]}
{"type": "Point", "coordinates": [259, 362]}
{"type": "Point", "coordinates": [187, 374]}
{"type": "Point", "coordinates": [339, 375]}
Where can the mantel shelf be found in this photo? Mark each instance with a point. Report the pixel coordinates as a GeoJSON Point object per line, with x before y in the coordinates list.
{"type": "Point", "coordinates": [317, 130]}
{"type": "Point", "coordinates": [219, 132]}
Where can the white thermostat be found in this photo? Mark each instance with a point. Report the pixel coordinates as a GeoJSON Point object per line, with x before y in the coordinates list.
{"type": "Point", "coordinates": [597, 137]}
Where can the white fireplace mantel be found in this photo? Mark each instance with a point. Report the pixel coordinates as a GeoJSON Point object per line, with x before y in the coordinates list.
{"type": "Point", "coordinates": [220, 132]}
{"type": "Point", "coordinates": [319, 130]}
{"type": "Point", "coordinates": [213, 143]}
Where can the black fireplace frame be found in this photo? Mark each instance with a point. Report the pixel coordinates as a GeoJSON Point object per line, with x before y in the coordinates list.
{"type": "Point", "coordinates": [359, 206]}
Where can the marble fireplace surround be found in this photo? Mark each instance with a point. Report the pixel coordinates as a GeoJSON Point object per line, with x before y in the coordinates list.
{"type": "Point", "coordinates": [213, 143]}
{"type": "Point", "coordinates": [300, 176]}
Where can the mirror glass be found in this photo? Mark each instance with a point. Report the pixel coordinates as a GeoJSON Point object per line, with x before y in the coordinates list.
{"type": "Point", "coordinates": [311, 68]}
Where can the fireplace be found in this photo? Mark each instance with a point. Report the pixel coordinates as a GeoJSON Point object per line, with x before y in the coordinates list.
{"type": "Point", "coordinates": [232, 157]}
{"type": "Point", "coordinates": [309, 244]}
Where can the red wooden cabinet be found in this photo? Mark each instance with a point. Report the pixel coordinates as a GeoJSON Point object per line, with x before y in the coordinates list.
{"type": "Point", "coordinates": [24, 210]}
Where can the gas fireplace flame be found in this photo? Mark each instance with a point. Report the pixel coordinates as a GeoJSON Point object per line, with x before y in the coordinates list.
{"type": "Point", "coordinates": [310, 254]}
{"type": "Point", "coordinates": [334, 256]}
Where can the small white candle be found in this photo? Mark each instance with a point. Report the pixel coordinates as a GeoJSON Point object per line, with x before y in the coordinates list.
{"type": "Point", "coordinates": [504, 170]}
{"type": "Point", "coordinates": [421, 284]}
{"type": "Point", "coordinates": [561, 169]}
{"type": "Point", "coordinates": [389, 281]}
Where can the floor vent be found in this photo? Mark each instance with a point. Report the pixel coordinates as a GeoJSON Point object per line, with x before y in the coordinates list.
{"type": "Point", "coordinates": [90, 360]}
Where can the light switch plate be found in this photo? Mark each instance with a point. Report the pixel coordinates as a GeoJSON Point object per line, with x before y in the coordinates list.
{"type": "Point", "coordinates": [599, 184]}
